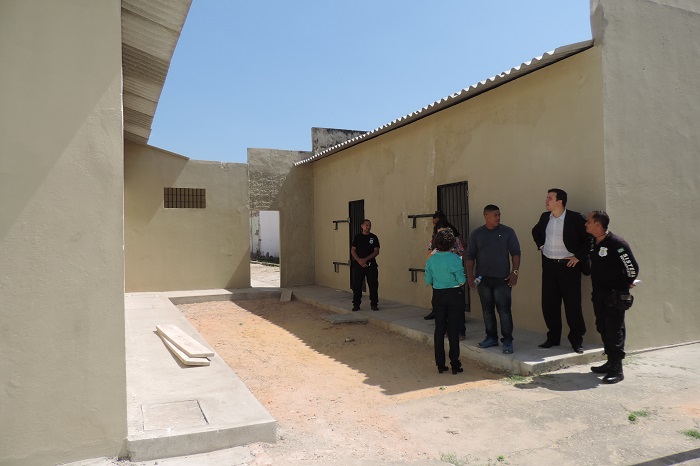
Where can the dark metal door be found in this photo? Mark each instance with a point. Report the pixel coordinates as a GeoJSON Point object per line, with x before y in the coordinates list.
{"type": "Point", "coordinates": [356, 213]}
{"type": "Point", "coordinates": [453, 201]}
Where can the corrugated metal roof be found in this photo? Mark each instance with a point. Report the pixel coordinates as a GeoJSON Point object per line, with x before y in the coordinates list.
{"type": "Point", "coordinates": [465, 94]}
{"type": "Point", "coordinates": [150, 31]}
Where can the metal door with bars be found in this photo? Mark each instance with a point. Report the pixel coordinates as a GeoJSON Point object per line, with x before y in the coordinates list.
{"type": "Point", "coordinates": [356, 213]}
{"type": "Point", "coordinates": [453, 201]}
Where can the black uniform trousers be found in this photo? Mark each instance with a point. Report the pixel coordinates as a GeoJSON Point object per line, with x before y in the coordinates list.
{"type": "Point", "coordinates": [371, 273]}
{"type": "Point", "coordinates": [610, 323]}
{"type": "Point", "coordinates": [448, 306]}
{"type": "Point", "coordinates": [562, 283]}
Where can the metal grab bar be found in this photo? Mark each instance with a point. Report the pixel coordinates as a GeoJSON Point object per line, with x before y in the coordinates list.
{"type": "Point", "coordinates": [347, 220]}
{"type": "Point", "coordinates": [414, 273]}
{"type": "Point", "coordinates": [414, 217]}
{"type": "Point", "coordinates": [336, 265]}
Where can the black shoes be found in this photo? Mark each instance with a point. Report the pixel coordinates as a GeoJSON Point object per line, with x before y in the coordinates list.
{"type": "Point", "coordinates": [375, 307]}
{"type": "Point", "coordinates": [548, 344]}
{"type": "Point", "coordinates": [578, 348]}
{"type": "Point", "coordinates": [457, 370]}
{"type": "Point", "coordinates": [430, 316]}
{"type": "Point", "coordinates": [355, 308]}
{"type": "Point", "coordinates": [613, 378]}
{"type": "Point", "coordinates": [442, 369]}
{"type": "Point", "coordinates": [614, 374]}
{"type": "Point", "coordinates": [601, 369]}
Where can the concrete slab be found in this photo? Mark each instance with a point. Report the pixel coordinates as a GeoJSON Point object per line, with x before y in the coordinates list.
{"type": "Point", "coordinates": [233, 417]}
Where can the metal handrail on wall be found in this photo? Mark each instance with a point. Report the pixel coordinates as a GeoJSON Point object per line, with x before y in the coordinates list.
{"type": "Point", "coordinates": [336, 265]}
{"type": "Point", "coordinates": [414, 273]}
{"type": "Point", "coordinates": [414, 217]}
{"type": "Point", "coordinates": [347, 220]}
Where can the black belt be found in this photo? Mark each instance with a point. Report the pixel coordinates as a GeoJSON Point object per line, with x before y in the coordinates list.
{"type": "Point", "coordinates": [557, 261]}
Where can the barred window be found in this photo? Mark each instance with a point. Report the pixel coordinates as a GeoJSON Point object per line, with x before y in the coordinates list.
{"type": "Point", "coordinates": [184, 198]}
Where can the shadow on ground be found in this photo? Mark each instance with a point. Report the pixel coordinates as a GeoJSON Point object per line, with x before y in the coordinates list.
{"type": "Point", "coordinates": [393, 362]}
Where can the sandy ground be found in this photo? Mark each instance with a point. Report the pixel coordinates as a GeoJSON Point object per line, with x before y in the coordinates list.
{"type": "Point", "coordinates": [262, 275]}
{"type": "Point", "coordinates": [355, 394]}
{"type": "Point", "coordinates": [332, 388]}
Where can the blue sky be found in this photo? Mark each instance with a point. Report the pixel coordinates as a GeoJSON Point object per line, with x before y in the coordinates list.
{"type": "Point", "coordinates": [262, 73]}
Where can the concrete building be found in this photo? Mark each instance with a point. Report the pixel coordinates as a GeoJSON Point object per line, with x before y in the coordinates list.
{"type": "Point", "coordinates": [84, 197]}
{"type": "Point", "coordinates": [613, 121]}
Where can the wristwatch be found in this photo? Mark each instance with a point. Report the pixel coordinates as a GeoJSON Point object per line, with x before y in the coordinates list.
{"type": "Point", "coordinates": [515, 272]}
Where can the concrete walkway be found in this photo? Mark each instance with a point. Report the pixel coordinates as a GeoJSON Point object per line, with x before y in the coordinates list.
{"type": "Point", "coordinates": [527, 358]}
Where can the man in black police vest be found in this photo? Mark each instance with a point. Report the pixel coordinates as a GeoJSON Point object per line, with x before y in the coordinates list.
{"type": "Point", "coordinates": [365, 248]}
{"type": "Point", "coordinates": [613, 272]}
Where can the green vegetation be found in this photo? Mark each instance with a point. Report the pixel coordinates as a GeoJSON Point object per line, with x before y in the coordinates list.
{"type": "Point", "coordinates": [265, 259]}
{"type": "Point", "coordinates": [452, 459]}
{"type": "Point", "coordinates": [694, 433]}
{"type": "Point", "coordinates": [634, 415]}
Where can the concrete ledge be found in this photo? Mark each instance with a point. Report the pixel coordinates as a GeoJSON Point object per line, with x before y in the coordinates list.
{"type": "Point", "coordinates": [407, 320]}
{"type": "Point", "coordinates": [202, 441]}
{"type": "Point", "coordinates": [202, 296]}
{"type": "Point", "coordinates": [225, 415]}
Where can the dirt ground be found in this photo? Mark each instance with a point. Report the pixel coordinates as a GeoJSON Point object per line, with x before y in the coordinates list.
{"type": "Point", "coordinates": [355, 394]}
{"type": "Point", "coordinates": [333, 389]}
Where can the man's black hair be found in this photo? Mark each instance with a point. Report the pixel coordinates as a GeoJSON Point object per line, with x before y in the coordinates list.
{"type": "Point", "coordinates": [601, 217]}
{"type": "Point", "coordinates": [561, 195]}
{"type": "Point", "coordinates": [491, 208]}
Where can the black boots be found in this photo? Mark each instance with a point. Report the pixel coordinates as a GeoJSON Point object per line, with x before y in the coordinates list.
{"type": "Point", "coordinates": [601, 369]}
{"type": "Point", "coordinates": [614, 374]}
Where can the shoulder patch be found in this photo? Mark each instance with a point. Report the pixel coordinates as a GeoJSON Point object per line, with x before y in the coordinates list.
{"type": "Point", "coordinates": [621, 250]}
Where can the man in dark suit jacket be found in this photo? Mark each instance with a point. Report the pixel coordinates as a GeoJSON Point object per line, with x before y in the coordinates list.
{"type": "Point", "coordinates": [561, 236]}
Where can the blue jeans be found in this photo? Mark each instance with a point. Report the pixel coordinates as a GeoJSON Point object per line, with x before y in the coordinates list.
{"type": "Point", "coordinates": [495, 293]}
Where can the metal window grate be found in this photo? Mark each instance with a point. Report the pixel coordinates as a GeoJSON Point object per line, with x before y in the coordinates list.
{"type": "Point", "coordinates": [184, 198]}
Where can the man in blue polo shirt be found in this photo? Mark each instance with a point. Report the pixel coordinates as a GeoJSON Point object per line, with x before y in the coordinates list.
{"type": "Point", "coordinates": [491, 248]}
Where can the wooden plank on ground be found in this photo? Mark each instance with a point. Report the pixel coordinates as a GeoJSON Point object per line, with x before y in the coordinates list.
{"type": "Point", "coordinates": [185, 359]}
{"type": "Point", "coordinates": [286, 295]}
{"type": "Point", "coordinates": [184, 342]}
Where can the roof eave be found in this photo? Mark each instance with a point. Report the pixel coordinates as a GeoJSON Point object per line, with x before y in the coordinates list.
{"type": "Point", "coordinates": [465, 94]}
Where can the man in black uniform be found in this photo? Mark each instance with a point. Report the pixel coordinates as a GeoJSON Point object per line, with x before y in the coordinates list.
{"type": "Point", "coordinates": [613, 272]}
{"type": "Point", "coordinates": [365, 247]}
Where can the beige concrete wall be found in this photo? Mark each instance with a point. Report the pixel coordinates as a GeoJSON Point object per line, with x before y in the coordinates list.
{"type": "Point", "coordinates": [275, 184]}
{"type": "Point", "coordinates": [184, 249]}
{"type": "Point", "coordinates": [652, 141]}
{"type": "Point", "coordinates": [62, 370]}
{"type": "Point", "coordinates": [511, 144]}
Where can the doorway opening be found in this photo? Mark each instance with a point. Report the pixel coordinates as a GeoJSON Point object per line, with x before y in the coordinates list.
{"type": "Point", "coordinates": [265, 248]}
{"type": "Point", "coordinates": [356, 213]}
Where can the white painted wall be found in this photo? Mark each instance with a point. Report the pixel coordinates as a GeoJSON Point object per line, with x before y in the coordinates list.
{"type": "Point", "coordinates": [651, 99]}
{"type": "Point", "coordinates": [62, 370]}
{"type": "Point", "coordinates": [184, 249]}
{"type": "Point", "coordinates": [269, 233]}
{"type": "Point", "coordinates": [511, 144]}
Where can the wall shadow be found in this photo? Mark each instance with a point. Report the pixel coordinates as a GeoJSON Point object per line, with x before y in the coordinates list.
{"type": "Point", "coordinates": [409, 366]}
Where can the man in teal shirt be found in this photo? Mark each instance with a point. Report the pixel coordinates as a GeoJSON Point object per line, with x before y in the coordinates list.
{"type": "Point", "coordinates": [445, 273]}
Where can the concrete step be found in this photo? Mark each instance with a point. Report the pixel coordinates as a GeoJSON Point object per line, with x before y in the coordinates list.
{"type": "Point", "coordinates": [527, 359]}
